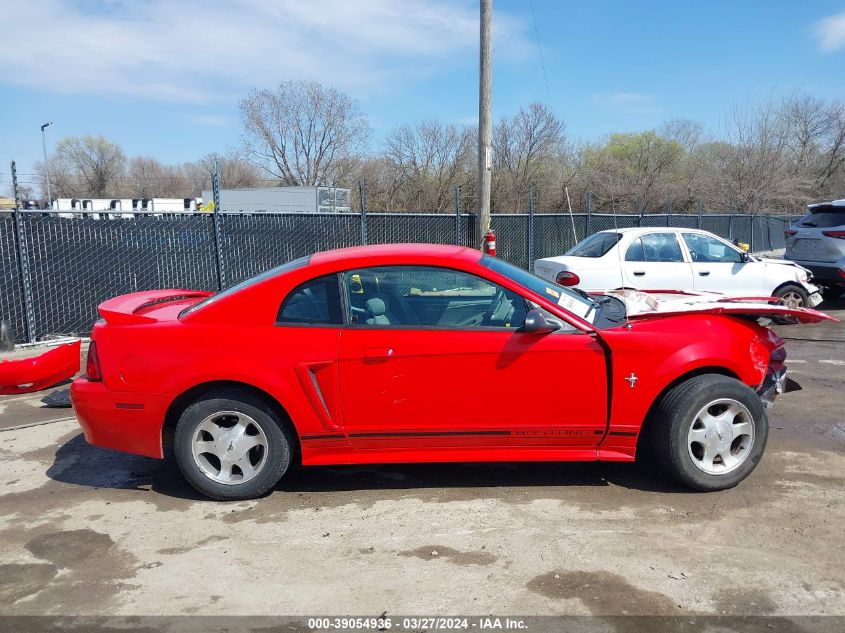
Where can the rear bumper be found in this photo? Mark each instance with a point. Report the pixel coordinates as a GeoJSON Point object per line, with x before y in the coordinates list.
{"type": "Point", "coordinates": [129, 422]}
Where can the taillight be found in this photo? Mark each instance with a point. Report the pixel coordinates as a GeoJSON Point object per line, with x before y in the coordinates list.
{"type": "Point", "coordinates": [840, 272]}
{"type": "Point", "coordinates": [789, 233]}
{"type": "Point", "coordinates": [566, 278]}
{"type": "Point", "coordinates": [837, 234]}
{"type": "Point", "coordinates": [92, 364]}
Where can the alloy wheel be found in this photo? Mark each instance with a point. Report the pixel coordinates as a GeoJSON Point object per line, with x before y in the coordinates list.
{"type": "Point", "coordinates": [721, 436]}
{"type": "Point", "coordinates": [229, 447]}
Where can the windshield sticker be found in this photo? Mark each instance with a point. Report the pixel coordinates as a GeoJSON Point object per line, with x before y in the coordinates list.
{"type": "Point", "coordinates": [574, 305]}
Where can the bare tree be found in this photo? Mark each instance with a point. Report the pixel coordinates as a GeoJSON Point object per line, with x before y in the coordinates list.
{"type": "Point", "coordinates": [89, 166]}
{"type": "Point", "coordinates": [816, 140]}
{"type": "Point", "coordinates": [753, 169]}
{"type": "Point", "coordinates": [425, 163]}
{"type": "Point", "coordinates": [235, 171]}
{"type": "Point", "coordinates": [525, 147]}
{"type": "Point", "coordinates": [156, 180]}
{"type": "Point", "coordinates": [299, 131]}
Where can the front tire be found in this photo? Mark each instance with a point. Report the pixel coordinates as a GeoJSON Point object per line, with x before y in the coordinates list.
{"type": "Point", "coordinates": [793, 296]}
{"type": "Point", "coordinates": [709, 432]}
{"type": "Point", "coordinates": [231, 446]}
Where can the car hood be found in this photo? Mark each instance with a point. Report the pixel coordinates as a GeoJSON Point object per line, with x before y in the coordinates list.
{"type": "Point", "coordinates": [646, 305]}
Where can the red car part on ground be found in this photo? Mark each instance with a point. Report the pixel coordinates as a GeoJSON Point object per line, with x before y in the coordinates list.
{"type": "Point", "coordinates": [34, 373]}
{"type": "Point", "coordinates": [358, 393]}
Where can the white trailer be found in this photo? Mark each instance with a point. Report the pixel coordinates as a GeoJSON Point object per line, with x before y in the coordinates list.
{"type": "Point", "coordinates": [283, 200]}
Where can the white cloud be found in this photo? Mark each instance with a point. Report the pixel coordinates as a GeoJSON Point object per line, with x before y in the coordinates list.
{"type": "Point", "coordinates": [830, 32]}
{"type": "Point", "coordinates": [201, 50]}
{"type": "Point", "coordinates": [630, 102]}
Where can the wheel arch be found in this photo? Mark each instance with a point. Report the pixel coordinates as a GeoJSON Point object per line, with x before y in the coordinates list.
{"type": "Point", "coordinates": [797, 284]}
{"type": "Point", "coordinates": [645, 429]}
{"type": "Point", "coordinates": [190, 395]}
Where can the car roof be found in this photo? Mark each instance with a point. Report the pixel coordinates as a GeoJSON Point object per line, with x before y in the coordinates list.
{"type": "Point", "coordinates": [633, 230]}
{"type": "Point", "coordinates": [390, 252]}
{"type": "Point", "coordinates": [826, 206]}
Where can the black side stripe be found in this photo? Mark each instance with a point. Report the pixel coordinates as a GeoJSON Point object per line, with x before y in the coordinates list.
{"type": "Point", "coordinates": [623, 433]}
{"type": "Point", "coordinates": [339, 436]}
{"type": "Point", "coordinates": [430, 434]}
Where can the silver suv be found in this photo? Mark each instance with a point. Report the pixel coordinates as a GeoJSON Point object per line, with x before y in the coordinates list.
{"type": "Point", "coordinates": [817, 242]}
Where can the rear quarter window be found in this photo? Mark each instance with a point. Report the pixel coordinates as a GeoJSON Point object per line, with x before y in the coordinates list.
{"type": "Point", "coordinates": [597, 245]}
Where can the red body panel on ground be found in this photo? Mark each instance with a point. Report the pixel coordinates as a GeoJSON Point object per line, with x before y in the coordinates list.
{"type": "Point", "coordinates": [358, 394]}
{"type": "Point", "coordinates": [34, 373]}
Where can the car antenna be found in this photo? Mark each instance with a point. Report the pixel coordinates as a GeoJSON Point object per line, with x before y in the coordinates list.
{"type": "Point", "coordinates": [619, 254]}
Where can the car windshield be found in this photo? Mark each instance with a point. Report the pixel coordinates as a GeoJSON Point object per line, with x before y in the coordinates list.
{"type": "Point", "coordinates": [278, 270]}
{"type": "Point", "coordinates": [596, 245]}
{"type": "Point", "coordinates": [564, 297]}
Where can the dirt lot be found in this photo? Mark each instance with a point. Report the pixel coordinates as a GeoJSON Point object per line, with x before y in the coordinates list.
{"type": "Point", "coordinates": [88, 531]}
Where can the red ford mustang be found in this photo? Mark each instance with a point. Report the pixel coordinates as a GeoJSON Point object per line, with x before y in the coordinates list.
{"type": "Point", "coordinates": [424, 353]}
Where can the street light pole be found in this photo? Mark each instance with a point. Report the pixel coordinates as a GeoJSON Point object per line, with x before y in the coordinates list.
{"type": "Point", "coordinates": [46, 164]}
{"type": "Point", "coordinates": [485, 121]}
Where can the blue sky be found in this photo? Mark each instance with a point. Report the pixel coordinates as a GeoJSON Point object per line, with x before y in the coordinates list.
{"type": "Point", "coordinates": [163, 77]}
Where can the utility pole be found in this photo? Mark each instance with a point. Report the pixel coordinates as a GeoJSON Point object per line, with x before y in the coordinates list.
{"type": "Point", "coordinates": [46, 164]}
{"type": "Point", "coordinates": [485, 121]}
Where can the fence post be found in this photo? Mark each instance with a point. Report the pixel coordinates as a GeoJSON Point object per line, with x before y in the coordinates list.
{"type": "Point", "coordinates": [458, 215]}
{"type": "Point", "coordinates": [589, 213]}
{"type": "Point", "coordinates": [700, 210]}
{"type": "Point", "coordinates": [668, 211]}
{"type": "Point", "coordinates": [363, 213]}
{"type": "Point", "coordinates": [218, 232]}
{"type": "Point", "coordinates": [731, 227]}
{"type": "Point", "coordinates": [751, 237]}
{"type": "Point", "coordinates": [530, 240]}
{"type": "Point", "coordinates": [23, 263]}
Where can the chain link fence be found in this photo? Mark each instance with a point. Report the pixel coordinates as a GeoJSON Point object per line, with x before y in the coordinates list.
{"type": "Point", "coordinates": [76, 263]}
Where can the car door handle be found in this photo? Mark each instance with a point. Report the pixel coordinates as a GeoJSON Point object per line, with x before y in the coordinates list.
{"type": "Point", "coordinates": [377, 354]}
{"type": "Point", "coordinates": [639, 273]}
{"type": "Point", "coordinates": [703, 273]}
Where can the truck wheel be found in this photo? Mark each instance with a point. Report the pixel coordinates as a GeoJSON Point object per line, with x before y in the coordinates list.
{"type": "Point", "coordinates": [793, 296]}
{"type": "Point", "coordinates": [709, 432]}
{"type": "Point", "coordinates": [230, 446]}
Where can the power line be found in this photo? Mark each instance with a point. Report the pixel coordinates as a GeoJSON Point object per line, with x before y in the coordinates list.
{"type": "Point", "coordinates": [540, 49]}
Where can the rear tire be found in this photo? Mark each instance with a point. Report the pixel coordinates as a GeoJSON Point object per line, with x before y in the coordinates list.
{"type": "Point", "coordinates": [230, 445]}
{"type": "Point", "coordinates": [709, 432]}
{"type": "Point", "coordinates": [793, 296]}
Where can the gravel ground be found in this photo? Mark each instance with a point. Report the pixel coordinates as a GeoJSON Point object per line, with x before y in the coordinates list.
{"type": "Point", "coordinates": [89, 531]}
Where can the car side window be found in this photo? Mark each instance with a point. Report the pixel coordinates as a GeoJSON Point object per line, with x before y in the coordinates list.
{"type": "Point", "coordinates": [635, 252]}
{"type": "Point", "coordinates": [425, 296]}
{"type": "Point", "coordinates": [704, 248]}
{"type": "Point", "coordinates": [661, 247]}
{"type": "Point", "coordinates": [315, 302]}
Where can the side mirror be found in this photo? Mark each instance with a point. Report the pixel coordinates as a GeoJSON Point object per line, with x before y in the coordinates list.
{"type": "Point", "coordinates": [744, 257]}
{"type": "Point", "coordinates": [536, 323]}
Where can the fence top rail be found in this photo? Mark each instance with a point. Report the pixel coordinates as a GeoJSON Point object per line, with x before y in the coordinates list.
{"type": "Point", "coordinates": [387, 214]}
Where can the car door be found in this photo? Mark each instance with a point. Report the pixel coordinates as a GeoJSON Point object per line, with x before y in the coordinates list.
{"type": "Point", "coordinates": [434, 357]}
{"type": "Point", "coordinates": [719, 267]}
{"type": "Point", "coordinates": [655, 261]}
{"type": "Point", "coordinates": [307, 330]}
